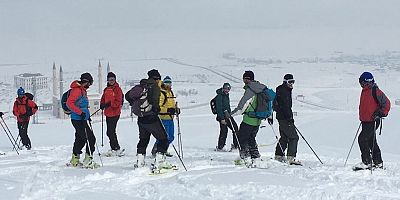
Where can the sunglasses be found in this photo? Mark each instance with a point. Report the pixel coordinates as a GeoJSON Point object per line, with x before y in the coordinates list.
{"type": "Point", "coordinates": [111, 79]}
{"type": "Point", "coordinates": [290, 81]}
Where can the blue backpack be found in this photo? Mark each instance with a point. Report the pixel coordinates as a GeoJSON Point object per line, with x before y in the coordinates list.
{"type": "Point", "coordinates": [264, 107]}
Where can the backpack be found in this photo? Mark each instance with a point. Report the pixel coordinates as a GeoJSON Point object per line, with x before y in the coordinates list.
{"type": "Point", "coordinates": [137, 98]}
{"type": "Point", "coordinates": [264, 107]}
{"type": "Point", "coordinates": [384, 108]}
{"type": "Point", "coordinates": [213, 105]}
{"type": "Point", "coordinates": [64, 99]}
{"type": "Point", "coordinates": [165, 96]}
{"type": "Point", "coordinates": [29, 97]}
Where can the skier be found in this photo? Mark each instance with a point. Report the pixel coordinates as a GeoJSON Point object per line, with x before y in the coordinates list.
{"type": "Point", "coordinates": [150, 123]}
{"type": "Point", "coordinates": [371, 110]}
{"type": "Point", "coordinates": [250, 125]}
{"type": "Point", "coordinates": [168, 109]}
{"type": "Point", "coordinates": [23, 109]}
{"type": "Point", "coordinates": [222, 104]}
{"type": "Point", "coordinates": [78, 103]}
{"type": "Point", "coordinates": [284, 115]}
{"type": "Point", "coordinates": [111, 103]}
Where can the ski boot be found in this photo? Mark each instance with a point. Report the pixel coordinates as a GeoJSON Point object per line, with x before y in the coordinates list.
{"type": "Point", "coordinates": [361, 166]}
{"type": "Point", "coordinates": [378, 165]}
{"type": "Point", "coordinates": [74, 162]}
{"type": "Point", "coordinates": [293, 161]}
{"type": "Point", "coordinates": [140, 162]}
{"type": "Point", "coordinates": [281, 159]}
{"type": "Point", "coordinates": [161, 162]}
{"type": "Point", "coordinates": [88, 162]}
{"type": "Point", "coordinates": [111, 153]}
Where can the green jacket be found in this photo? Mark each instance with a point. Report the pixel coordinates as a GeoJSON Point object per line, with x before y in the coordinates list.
{"type": "Point", "coordinates": [222, 104]}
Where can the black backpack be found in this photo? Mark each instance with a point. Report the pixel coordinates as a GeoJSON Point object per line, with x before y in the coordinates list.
{"type": "Point", "coordinates": [64, 99]}
{"type": "Point", "coordinates": [213, 105]}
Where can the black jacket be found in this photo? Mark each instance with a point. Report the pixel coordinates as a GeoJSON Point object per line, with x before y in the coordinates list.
{"type": "Point", "coordinates": [153, 97]}
{"type": "Point", "coordinates": [222, 104]}
{"type": "Point", "coordinates": [283, 104]}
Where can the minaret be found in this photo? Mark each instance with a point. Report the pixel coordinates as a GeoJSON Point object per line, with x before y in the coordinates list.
{"type": "Point", "coordinates": [100, 78]}
{"type": "Point", "coordinates": [54, 80]}
{"type": "Point", "coordinates": [61, 82]}
{"type": "Point", "coordinates": [108, 67]}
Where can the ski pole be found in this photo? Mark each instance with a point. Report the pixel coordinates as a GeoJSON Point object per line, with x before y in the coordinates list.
{"type": "Point", "coordinates": [9, 131]}
{"type": "Point", "coordinates": [98, 150]}
{"type": "Point", "coordinates": [351, 147]}
{"type": "Point", "coordinates": [180, 146]}
{"type": "Point", "coordinates": [102, 128]}
{"type": "Point", "coordinates": [14, 147]}
{"type": "Point", "coordinates": [277, 139]}
{"type": "Point", "coordinates": [237, 138]}
{"type": "Point", "coordinates": [183, 164]}
{"type": "Point", "coordinates": [95, 112]}
{"type": "Point", "coordinates": [298, 131]}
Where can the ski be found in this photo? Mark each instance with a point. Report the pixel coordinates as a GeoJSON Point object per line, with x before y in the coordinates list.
{"type": "Point", "coordinates": [80, 165]}
{"type": "Point", "coordinates": [154, 170]}
{"type": "Point", "coordinates": [119, 154]}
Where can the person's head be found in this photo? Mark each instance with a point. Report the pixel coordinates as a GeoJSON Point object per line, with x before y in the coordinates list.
{"type": "Point", "coordinates": [248, 76]}
{"type": "Point", "coordinates": [167, 82]}
{"type": "Point", "coordinates": [20, 92]}
{"type": "Point", "coordinates": [366, 79]}
{"type": "Point", "coordinates": [288, 80]}
{"type": "Point", "coordinates": [226, 88]}
{"type": "Point", "coordinates": [86, 80]}
{"type": "Point", "coordinates": [154, 74]}
{"type": "Point", "coordinates": [111, 78]}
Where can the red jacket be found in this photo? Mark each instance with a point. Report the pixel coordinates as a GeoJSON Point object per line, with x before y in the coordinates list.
{"type": "Point", "coordinates": [112, 94]}
{"type": "Point", "coordinates": [20, 106]}
{"type": "Point", "coordinates": [368, 105]}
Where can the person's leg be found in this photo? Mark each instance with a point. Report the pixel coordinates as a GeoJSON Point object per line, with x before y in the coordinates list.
{"type": "Point", "coordinates": [223, 131]}
{"type": "Point", "coordinates": [283, 140]}
{"type": "Point", "coordinates": [80, 137]}
{"type": "Point", "coordinates": [367, 130]}
{"type": "Point", "coordinates": [253, 148]}
{"type": "Point", "coordinates": [243, 135]}
{"type": "Point", "coordinates": [90, 137]}
{"type": "Point", "coordinates": [144, 138]}
{"type": "Point", "coordinates": [111, 132]}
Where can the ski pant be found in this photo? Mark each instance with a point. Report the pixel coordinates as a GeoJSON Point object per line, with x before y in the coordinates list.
{"type": "Point", "coordinates": [247, 141]}
{"type": "Point", "coordinates": [83, 134]}
{"type": "Point", "coordinates": [157, 130]}
{"type": "Point", "coordinates": [223, 133]}
{"type": "Point", "coordinates": [23, 133]}
{"type": "Point", "coordinates": [289, 139]}
{"type": "Point", "coordinates": [170, 129]}
{"type": "Point", "coordinates": [111, 132]}
{"type": "Point", "coordinates": [368, 144]}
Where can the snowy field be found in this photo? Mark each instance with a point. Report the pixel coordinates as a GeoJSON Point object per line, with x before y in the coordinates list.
{"type": "Point", "coordinates": [326, 45]}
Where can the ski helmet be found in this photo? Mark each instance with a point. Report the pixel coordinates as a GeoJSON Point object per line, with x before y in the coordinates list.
{"type": "Point", "coordinates": [21, 91]}
{"type": "Point", "coordinates": [366, 77]}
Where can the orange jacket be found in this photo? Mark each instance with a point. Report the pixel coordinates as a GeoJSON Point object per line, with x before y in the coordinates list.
{"type": "Point", "coordinates": [20, 108]}
{"type": "Point", "coordinates": [112, 94]}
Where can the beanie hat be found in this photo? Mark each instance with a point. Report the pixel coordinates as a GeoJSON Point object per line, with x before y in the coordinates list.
{"type": "Point", "coordinates": [20, 91]}
{"type": "Point", "coordinates": [287, 77]}
{"type": "Point", "coordinates": [248, 75]}
{"type": "Point", "coordinates": [86, 77]}
{"type": "Point", "coordinates": [226, 86]}
{"type": "Point", "coordinates": [366, 77]}
{"type": "Point", "coordinates": [154, 74]}
{"type": "Point", "coordinates": [111, 75]}
{"type": "Point", "coordinates": [167, 79]}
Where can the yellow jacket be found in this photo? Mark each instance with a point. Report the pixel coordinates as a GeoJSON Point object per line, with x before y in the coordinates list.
{"type": "Point", "coordinates": [167, 100]}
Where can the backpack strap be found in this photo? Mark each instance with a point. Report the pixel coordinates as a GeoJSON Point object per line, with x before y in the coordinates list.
{"type": "Point", "coordinates": [374, 95]}
{"type": "Point", "coordinates": [165, 97]}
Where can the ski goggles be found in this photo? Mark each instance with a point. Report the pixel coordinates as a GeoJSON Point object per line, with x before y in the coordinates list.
{"type": "Point", "coordinates": [290, 81]}
{"type": "Point", "coordinates": [111, 79]}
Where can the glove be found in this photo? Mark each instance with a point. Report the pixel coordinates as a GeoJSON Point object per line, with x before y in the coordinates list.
{"type": "Point", "coordinates": [270, 121]}
{"type": "Point", "coordinates": [105, 105]}
{"type": "Point", "coordinates": [83, 116]}
{"type": "Point", "coordinates": [1, 114]}
{"type": "Point", "coordinates": [227, 114]}
{"type": "Point", "coordinates": [223, 122]}
{"type": "Point", "coordinates": [171, 111]}
{"type": "Point", "coordinates": [377, 115]}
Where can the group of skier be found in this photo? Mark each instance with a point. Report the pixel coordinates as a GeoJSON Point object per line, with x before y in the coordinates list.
{"type": "Point", "coordinates": [153, 101]}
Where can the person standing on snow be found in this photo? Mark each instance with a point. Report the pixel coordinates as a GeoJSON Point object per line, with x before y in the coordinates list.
{"type": "Point", "coordinates": [111, 103]}
{"type": "Point", "coordinates": [23, 109]}
{"type": "Point", "coordinates": [250, 125]}
{"type": "Point", "coordinates": [373, 106]}
{"type": "Point", "coordinates": [223, 104]}
{"type": "Point", "coordinates": [150, 124]}
{"type": "Point", "coordinates": [78, 103]}
{"type": "Point", "coordinates": [284, 115]}
{"type": "Point", "coordinates": [168, 109]}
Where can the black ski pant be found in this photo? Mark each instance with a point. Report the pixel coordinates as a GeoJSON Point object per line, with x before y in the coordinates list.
{"type": "Point", "coordinates": [289, 139]}
{"type": "Point", "coordinates": [23, 133]}
{"type": "Point", "coordinates": [223, 133]}
{"type": "Point", "coordinates": [247, 141]}
{"type": "Point", "coordinates": [111, 132]}
{"type": "Point", "coordinates": [157, 130]}
{"type": "Point", "coordinates": [83, 134]}
{"type": "Point", "coordinates": [368, 144]}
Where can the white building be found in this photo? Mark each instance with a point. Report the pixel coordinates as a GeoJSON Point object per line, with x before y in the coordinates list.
{"type": "Point", "coordinates": [28, 81]}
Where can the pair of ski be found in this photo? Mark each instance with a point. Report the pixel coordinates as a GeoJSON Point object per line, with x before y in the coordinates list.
{"type": "Point", "coordinates": [80, 165]}
{"type": "Point", "coordinates": [256, 164]}
{"type": "Point", "coordinates": [355, 168]}
{"type": "Point", "coordinates": [154, 170]}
